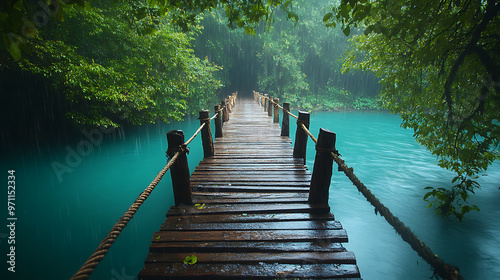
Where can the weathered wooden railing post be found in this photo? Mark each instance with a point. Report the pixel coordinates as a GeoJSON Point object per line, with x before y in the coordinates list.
{"type": "Point", "coordinates": [276, 112]}
{"type": "Point", "coordinates": [322, 171]}
{"type": "Point", "coordinates": [235, 96]}
{"type": "Point", "coordinates": [218, 122]}
{"type": "Point", "coordinates": [206, 134]}
{"type": "Point", "coordinates": [180, 169]}
{"type": "Point", "coordinates": [285, 123]}
{"type": "Point", "coordinates": [225, 113]}
{"type": "Point", "coordinates": [265, 103]}
{"type": "Point", "coordinates": [270, 107]}
{"type": "Point", "coordinates": [299, 149]}
{"type": "Point", "coordinates": [229, 103]}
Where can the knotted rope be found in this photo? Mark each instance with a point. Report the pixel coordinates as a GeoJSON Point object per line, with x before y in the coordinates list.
{"type": "Point", "coordinates": [446, 271]}
{"type": "Point", "coordinates": [88, 267]}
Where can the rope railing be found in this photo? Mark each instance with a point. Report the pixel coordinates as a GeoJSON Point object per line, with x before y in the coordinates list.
{"type": "Point", "coordinates": [100, 252]}
{"type": "Point", "coordinates": [281, 107]}
{"type": "Point", "coordinates": [216, 113]}
{"type": "Point", "coordinates": [441, 268]}
{"type": "Point", "coordinates": [446, 271]}
{"type": "Point", "coordinates": [195, 134]}
{"type": "Point", "coordinates": [89, 266]}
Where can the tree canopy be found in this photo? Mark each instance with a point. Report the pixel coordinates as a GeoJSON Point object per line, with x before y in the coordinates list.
{"type": "Point", "coordinates": [439, 67]}
{"type": "Point", "coordinates": [109, 64]}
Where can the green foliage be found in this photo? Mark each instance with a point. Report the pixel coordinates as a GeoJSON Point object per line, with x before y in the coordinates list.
{"type": "Point", "coordinates": [239, 13]}
{"type": "Point", "coordinates": [439, 65]}
{"type": "Point", "coordinates": [296, 62]}
{"type": "Point", "coordinates": [119, 62]}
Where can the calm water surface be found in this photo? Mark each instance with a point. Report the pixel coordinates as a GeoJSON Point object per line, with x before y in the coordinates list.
{"type": "Point", "coordinates": [61, 222]}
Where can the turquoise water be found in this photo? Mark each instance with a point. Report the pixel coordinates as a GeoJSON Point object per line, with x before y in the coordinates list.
{"type": "Point", "coordinates": [62, 215]}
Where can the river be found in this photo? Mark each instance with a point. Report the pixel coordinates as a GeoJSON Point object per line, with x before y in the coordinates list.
{"type": "Point", "coordinates": [69, 195]}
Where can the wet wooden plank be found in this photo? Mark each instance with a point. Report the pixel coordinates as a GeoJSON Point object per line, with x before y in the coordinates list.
{"type": "Point", "coordinates": [251, 189]}
{"type": "Point", "coordinates": [276, 225]}
{"type": "Point", "coordinates": [260, 271]}
{"type": "Point", "coordinates": [252, 217]}
{"type": "Point", "coordinates": [332, 235]}
{"type": "Point", "coordinates": [258, 172]}
{"type": "Point", "coordinates": [255, 197]}
{"type": "Point", "coordinates": [256, 258]}
{"type": "Point", "coordinates": [244, 209]}
{"type": "Point", "coordinates": [250, 185]}
{"type": "Point", "coordinates": [241, 179]}
{"type": "Point", "coordinates": [277, 161]}
{"type": "Point", "coordinates": [247, 246]}
{"type": "Point", "coordinates": [249, 167]}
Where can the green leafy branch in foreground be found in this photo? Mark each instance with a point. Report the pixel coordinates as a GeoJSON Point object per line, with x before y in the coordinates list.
{"type": "Point", "coordinates": [439, 65]}
{"type": "Point", "coordinates": [117, 63]}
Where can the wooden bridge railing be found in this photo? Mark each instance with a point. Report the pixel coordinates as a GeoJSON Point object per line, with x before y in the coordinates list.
{"type": "Point", "coordinates": [178, 166]}
{"type": "Point", "coordinates": [322, 170]}
{"type": "Point", "coordinates": [322, 173]}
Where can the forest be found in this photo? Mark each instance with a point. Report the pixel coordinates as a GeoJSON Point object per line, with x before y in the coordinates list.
{"type": "Point", "coordinates": [67, 65]}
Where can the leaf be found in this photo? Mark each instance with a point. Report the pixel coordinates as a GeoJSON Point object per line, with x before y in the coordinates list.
{"type": "Point", "coordinates": [15, 51]}
{"type": "Point", "coordinates": [347, 31]}
{"type": "Point", "coordinates": [191, 259]}
{"type": "Point", "coordinates": [427, 195]}
{"type": "Point", "coordinates": [369, 29]}
{"type": "Point", "coordinates": [293, 16]}
{"type": "Point", "coordinates": [327, 17]}
{"type": "Point", "coordinates": [199, 206]}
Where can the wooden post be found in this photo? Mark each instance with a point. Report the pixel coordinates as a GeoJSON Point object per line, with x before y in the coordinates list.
{"type": "Point", "coordinates": [322, 171]}
{"type": "Point", "coordinates": [285, 123]}
{"type": "Point", "coordinates": [299, 149]}
{"type": "Point", "coordinates": [270, 107]}
{"type": "Point", "coordinates": [225, 113]}
{"type": "Point", "coordinates": [229, 103]}
{"type": "Point", "coordinates": [180, 169]}
{"type": "Point", "coordinates": [206, 134]}
{"type": "Point", "coordinates": [276, 112]}
{"type": "Point", "coordinates": [218, 122]}
{"type": "Point", "coordinates": [265, 102]}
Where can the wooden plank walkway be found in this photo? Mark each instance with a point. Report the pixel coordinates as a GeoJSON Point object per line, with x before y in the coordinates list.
{"type": "Point", "coordinates": [251, 219]}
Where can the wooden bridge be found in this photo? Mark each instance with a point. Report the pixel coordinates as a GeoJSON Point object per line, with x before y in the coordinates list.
{"type": "Point", "coordinates": [249, 211]}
